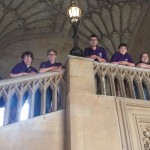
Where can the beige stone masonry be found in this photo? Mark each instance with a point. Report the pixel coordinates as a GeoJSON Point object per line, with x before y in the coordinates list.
{"type": "Point", "coordinates": [103, 122]}
{"type": "Point", "coordinates": [81, 75]}
{"type": "Point", "coordinates": [92, 121]}
{"type": "Point", "coordinates": [41, 133]}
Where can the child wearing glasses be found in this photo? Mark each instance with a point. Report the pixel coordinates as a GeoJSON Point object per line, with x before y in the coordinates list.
{"type": "Point", "coordinates": [51, 64]}
{"type": "Point", "coordinates": [94, 51]}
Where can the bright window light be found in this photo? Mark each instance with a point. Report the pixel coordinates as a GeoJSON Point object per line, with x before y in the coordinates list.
{"type": "Point", "coordinates": [2, 110]}
{"type": "Point", "coordinates": [25, 111]}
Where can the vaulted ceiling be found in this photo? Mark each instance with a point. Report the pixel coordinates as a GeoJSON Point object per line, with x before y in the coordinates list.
{"type": "Point", "coordinates": [114, 21]}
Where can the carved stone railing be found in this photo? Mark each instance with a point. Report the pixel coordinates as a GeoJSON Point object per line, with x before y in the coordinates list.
{"type": "Point", "coordinates": [122, 81]}
{"type": "Point", "coordinates": [36, 88]}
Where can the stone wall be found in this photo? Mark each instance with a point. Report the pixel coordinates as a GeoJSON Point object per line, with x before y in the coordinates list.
{"type": "Point", "coordinates": [44, 132]}
{"type": "Point", "coordinates": [90, 121]}
{"type": "Point", "coordinates": [97, 122]}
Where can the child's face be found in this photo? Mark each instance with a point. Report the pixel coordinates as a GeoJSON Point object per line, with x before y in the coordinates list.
{"type": "Point", "coordinates": [123, 50]}
{"type": "Point", "coordinates": [27, 60]}
{"type": "Point", "coordinates": [93, 41]}
{"type": "Point", "coordinates": [145, 58]}
{"type": "Point", "coordinates": [52, 56]}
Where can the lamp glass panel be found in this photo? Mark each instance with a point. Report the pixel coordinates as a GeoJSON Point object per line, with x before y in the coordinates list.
{"type": "Point", "coordinates": [74, 12]}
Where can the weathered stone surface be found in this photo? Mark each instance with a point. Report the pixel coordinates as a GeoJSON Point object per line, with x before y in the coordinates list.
{"type": "Point", "coordinates": [45, 132]}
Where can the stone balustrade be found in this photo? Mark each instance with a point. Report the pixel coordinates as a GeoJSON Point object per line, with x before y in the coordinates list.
{"type": "Point", "coordinates": [122, 81]}
{"type": "Point", "coordinates": [39, 88]}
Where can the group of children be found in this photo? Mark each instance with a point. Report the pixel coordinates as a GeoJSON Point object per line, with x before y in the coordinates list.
{"type": "Point", "coordinates": [24, 68]}
{"type": "Point", "coordinates": [121, 57]}
{"type": "Point", "coordinates": [94, 52]}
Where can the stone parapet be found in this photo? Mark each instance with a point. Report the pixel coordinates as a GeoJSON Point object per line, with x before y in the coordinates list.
{"type": "Point", "coordinates": [13, 91]}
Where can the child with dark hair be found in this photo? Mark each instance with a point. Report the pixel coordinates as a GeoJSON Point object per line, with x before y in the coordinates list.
{"type": "Point", "coordinates": [122, 57]}
{"type": "Point", "coordinates": [144, 61]}
{"type": "Point", "coordinates": [24, 68]}
{"type": "Point", "coordinates": [95, 52]}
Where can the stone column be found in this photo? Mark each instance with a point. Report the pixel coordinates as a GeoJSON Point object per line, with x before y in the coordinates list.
{"type": "Point", "coordinates": [80, 80]}
{"type": "Point", "coordinates": [91, 119]}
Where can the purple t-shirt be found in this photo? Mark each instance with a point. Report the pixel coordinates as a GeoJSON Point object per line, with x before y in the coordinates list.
{"type": "Point", "coordinates": [22, 67]}
{"type": "Point", "coordinates": [100, 51]}
{"type": "Point", "coordinates": [120, 57]}
{"type": "Point", "coordinates": [48, 64]}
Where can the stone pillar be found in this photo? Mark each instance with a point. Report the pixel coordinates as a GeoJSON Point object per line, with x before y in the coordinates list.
{"type": "Point", "coordinates": [80, 79]}
{"type": "Point", "coordinates": [81, 75]}
{"type": "Point", "coordinates": [92, 122]}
